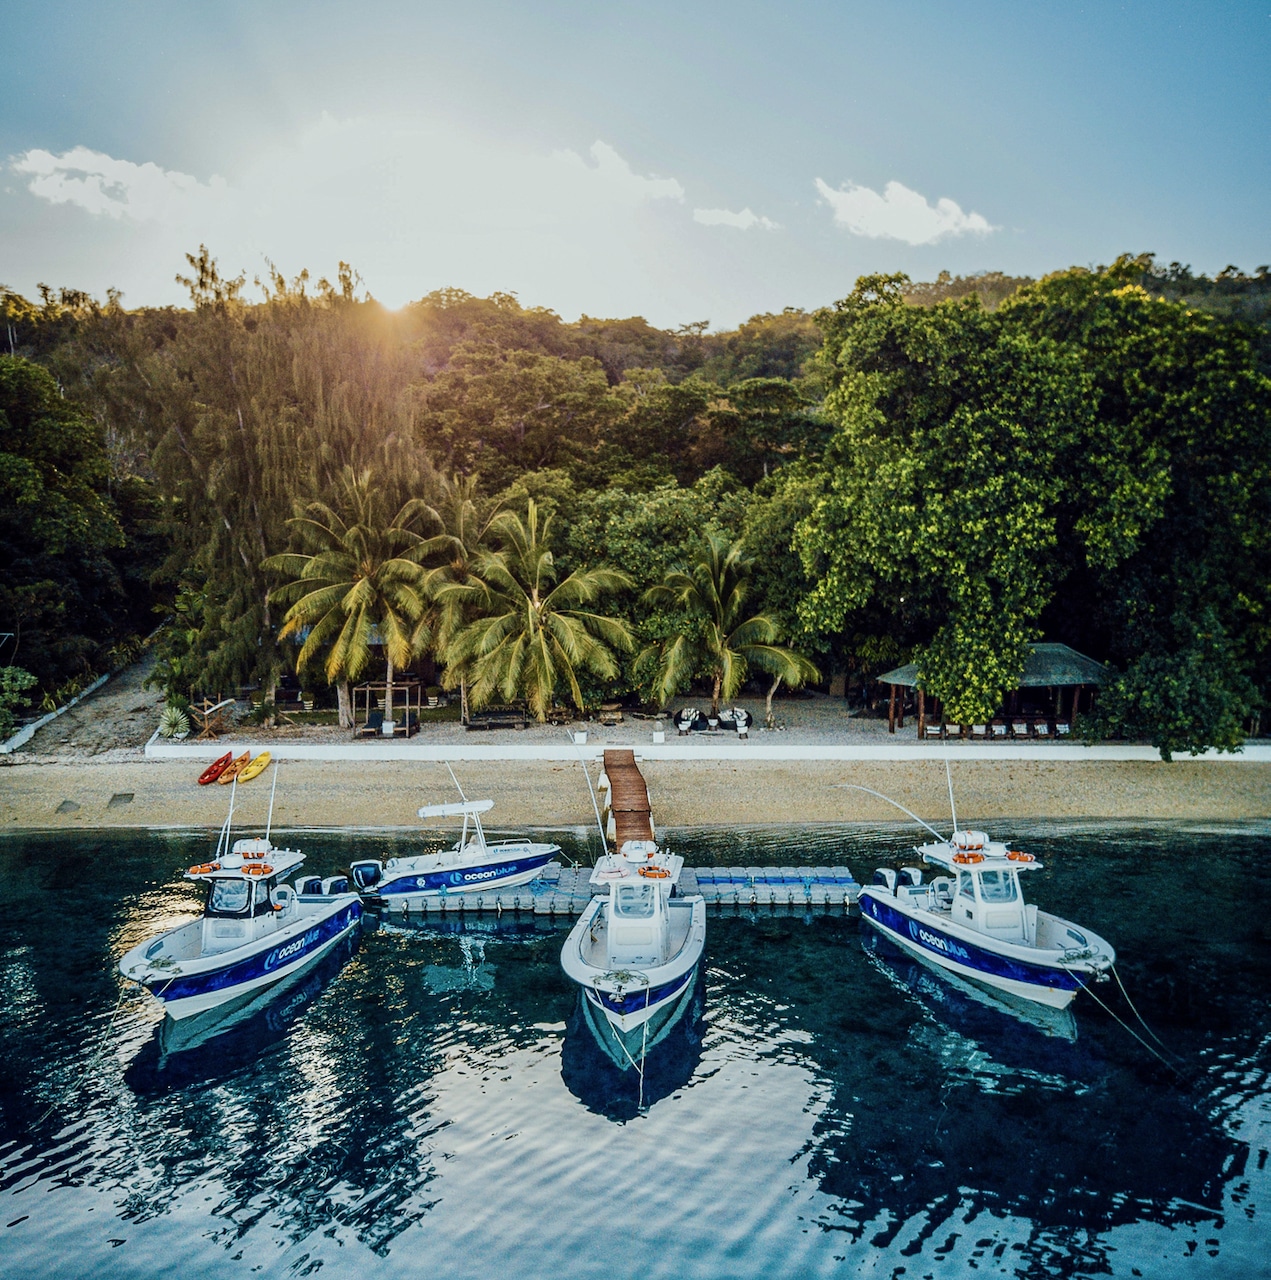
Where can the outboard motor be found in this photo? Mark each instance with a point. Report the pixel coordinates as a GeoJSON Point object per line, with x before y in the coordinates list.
{"type": "Point", "coordinates": [366, 875]}
{"type": "Point", "coordinates": [887, 877]}
{"type": "Point", "coordinates": [310, 886]}
{"type": "Point", "coordinates": [336, 885]}
{"type": "Point", "coordinates": [911, 875]}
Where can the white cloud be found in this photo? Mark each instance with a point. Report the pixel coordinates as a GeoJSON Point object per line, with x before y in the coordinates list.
{"type": "Point", "coordinates": [414, 203]}
{"type": "Point", "coordinates": [117, 188]}
{"type": "Point", "coordinates": [743, 221]}
{"type": "Point", "coordinates": [899, 214]}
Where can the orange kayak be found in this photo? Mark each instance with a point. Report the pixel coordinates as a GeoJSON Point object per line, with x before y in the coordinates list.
{"type": "Point", "coordinates": [234, 768]}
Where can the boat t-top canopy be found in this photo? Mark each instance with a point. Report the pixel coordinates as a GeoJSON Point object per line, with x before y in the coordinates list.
{"type": "Point", "coordinates": [458, 809]}
{"type": "Point", "coordinates": [976, 854]}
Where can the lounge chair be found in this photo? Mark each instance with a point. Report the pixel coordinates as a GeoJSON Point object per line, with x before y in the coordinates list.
{"type": "Point", "coordinates": [953, 731]}
{"type": "Point", "coordinates": [374, 724]}
{"type": "Point", "coordinates": [933, 731]}
{"type": "Point", "coordinates": [999, 731]}
{"type": "Point", "coordinates": [979, 733]}
{"type": "Point", "coordinates": [1020, 729]}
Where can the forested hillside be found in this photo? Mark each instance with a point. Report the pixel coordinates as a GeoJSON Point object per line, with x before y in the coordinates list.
{"type": "Point", "coordinates": [939, 471]}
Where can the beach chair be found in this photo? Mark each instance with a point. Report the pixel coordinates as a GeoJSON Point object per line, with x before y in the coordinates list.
{"type": "Point", "coordinates": [1042, 729]}
{"type": "Point", "coordinates": [1063, 729]}
{"type": "Point", "coordinates": [1020, 729]}
{"type": "Point", "coordinates": [979, 733]}
{"type": "Point", "coordinates": [933, 731]}
{"type": "Point", "coordinates": [374, 723]}
{"type": "Point", "coordinates": [999, 731]}
{"type": "Point", "coordinates": [953, 731]}
{"type": "Point", "coordinates": [212, 718]}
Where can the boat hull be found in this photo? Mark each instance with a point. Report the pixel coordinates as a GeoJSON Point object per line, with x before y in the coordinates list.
{"type": "Point", "coordinates": [187, 989]}
{"type": "Point", "coordinates": [626, 1049]}
{"type": "Point", "coordinates": [629, 998]}
{"type": "Point", "coordinates": [923, 935]}
{"type": "Point", "coordinates": [408, 889]}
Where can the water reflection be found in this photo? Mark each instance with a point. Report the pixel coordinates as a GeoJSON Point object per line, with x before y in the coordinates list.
{"type": "Point", "coordinates": [822, 1107]}
{"type": "Point", "coordinates": [622, 1077]}
{"type": "Point", "coordinates": [221, 1041]}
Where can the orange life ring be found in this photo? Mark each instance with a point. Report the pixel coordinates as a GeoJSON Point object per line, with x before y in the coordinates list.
{"type": "Point", "coordinates": [258, 869]}
{"type": "Point", "coordinates": [255, 853]}
{"type": "Point", "coordinates": [655, 873]}
{"type": "Point", "coordinates": [1016, 856]}
{"type": "Point", "coordinates": [967, 859]}
{"type": "Point", "coordinates": [204, 869]}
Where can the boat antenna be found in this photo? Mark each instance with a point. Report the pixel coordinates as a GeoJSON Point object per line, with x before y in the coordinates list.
{"type": "Point", "coordinates": [851, 786]}
{"type": "Point", "coordinates": [949, 778]}
{"type": "Point", "coordinates": [600, 826]}
{"type": "Point", "coordinates": [455, 780]}
{"type": "Point", "coordinates": [269, 822]}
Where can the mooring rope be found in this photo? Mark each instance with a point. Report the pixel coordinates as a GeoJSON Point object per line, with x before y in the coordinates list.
{"type": "Point", "coordinates": [1140, 1017]}
{"type": "Point", "coordinates": [1113, 1014]}
{"type": "Point", "coordinates": [92, 1062]}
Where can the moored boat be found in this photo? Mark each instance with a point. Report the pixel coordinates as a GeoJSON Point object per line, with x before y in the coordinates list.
{"type": "Point", "coordinates": [635, 950]}
{"type": "Point", "coordinates": [472, 864]}
{"type": "Point", "coordinates": [973, 921]}
{"type": "Point", "coordinates": [255, 930]}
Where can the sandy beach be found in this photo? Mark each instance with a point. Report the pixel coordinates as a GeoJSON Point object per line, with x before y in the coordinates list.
{"type": "Point", "coordinates": [87, 794]}
{"type": "Point", "coordinates": [87, 769]}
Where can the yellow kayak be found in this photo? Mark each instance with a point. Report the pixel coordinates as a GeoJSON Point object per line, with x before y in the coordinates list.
{"type": "Point", "coordinates": [234, 768]}
{"type": "Point", "coordinates": [253, 767]}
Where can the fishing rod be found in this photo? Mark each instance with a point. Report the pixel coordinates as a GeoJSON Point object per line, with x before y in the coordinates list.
{"type": "Point", "coordinates": [604, 840]}
{"type": "Point", "coordinates": [851, 786]}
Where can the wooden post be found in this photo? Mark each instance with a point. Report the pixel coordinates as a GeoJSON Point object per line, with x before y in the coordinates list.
{"type": "Point", "coordinates": [891, 710]}
{"type": "Point", "coordinates": [922, 712]}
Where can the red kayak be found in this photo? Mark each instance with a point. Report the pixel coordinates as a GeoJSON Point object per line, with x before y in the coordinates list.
{"type": "Point", "coordinates": [215, 769]}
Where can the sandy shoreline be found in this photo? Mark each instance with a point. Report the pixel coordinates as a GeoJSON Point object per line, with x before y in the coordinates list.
{"type": "Point", "coordinates": [89, 794]}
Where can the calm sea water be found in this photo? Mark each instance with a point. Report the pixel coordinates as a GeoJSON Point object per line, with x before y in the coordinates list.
{"type": "Point", "coordinates": [434, 1104]}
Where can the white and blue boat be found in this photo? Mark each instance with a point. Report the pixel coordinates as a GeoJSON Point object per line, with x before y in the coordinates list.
{"type": "Point", "coordinates": [472, 864]}
{"type": "Point", "coordinates": [973, 921]}
{"type": "Point", "coordinates": [255, 930]}
{"type": "Point", "coordinates": [635, 950]}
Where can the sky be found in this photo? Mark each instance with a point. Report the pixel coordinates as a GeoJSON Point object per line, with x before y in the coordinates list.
{"type": "Point", "coordinates": [681, 161]}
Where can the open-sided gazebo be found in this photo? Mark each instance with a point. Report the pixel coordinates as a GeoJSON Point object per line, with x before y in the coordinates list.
{"type": "Point", "coordinates": [1048, 666]}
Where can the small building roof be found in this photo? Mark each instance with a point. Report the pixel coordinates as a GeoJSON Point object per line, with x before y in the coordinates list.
{"type": "Point", "coordinates": [1046, 665]}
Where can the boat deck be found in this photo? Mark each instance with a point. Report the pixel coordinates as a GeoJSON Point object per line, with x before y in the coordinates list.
{"type": "Point", "coordinates": [566, 891]}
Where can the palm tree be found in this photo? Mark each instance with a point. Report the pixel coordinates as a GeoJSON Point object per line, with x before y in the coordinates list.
{"type": "Point", "coordinates": [712, 590]}
{"type": "Point", "coordinates": [466, 518]}
{"type": "Point", "coordinates": [360, 580]}
{"type": "Point", "coordinates": [528, 633]}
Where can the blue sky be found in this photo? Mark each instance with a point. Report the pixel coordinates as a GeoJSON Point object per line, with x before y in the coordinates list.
{"type": "Point", "coordinates": [680, 161]}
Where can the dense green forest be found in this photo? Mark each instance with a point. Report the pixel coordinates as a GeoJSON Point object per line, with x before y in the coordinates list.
{"type": "Point", "coordinates": [291, 476]}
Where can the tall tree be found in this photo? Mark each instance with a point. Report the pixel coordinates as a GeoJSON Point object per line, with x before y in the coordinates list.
{"type": "Point", "coordinates": [359, 583]}
{"type": "Point", "coordinates": [61, 597]}
{"type": "Point", "coordinates": [722, 641]}
{"type": "Point", "coordinates": [530, 634]}
{"type": "Point", "coordinates": [943, 477]}
{"type": "Point", "coordinates": [465, 516]}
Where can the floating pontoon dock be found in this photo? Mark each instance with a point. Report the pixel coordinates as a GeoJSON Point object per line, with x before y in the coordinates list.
{"type": "Point", "coordinates": [565, 891]}
{"type": "Point", "coordinates": [626, 813]}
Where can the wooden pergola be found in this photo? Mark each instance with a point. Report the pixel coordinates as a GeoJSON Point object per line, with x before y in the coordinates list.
{"type": "Point", "coordinates": [407, 698]}
{"type": "Point", "coordinates": [1048, 666]}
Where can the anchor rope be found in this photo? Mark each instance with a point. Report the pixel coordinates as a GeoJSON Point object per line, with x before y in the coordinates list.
{"type": "Point", "coordinates": [1140, 1017]}
{"type": "Point", "coordinates": [1156, 1053]}
{"type": "Point", "coordinates": [92, 1062]}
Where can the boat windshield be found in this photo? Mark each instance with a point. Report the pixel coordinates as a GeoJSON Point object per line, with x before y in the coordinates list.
{"type": "Point", "coordinates": [228, 897]}
{"type": "Point", "coordinates": [635, 900]}
{"type": "Point", "coordinates": [998, 886]}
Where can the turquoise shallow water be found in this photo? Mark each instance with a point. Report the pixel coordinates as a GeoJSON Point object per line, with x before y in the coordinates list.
{"type": "Point", "coordinates": [435, 1105]}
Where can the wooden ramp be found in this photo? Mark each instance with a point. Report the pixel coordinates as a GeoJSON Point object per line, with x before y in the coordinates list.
{"type": "Point", "coordinates": [630, 816]}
